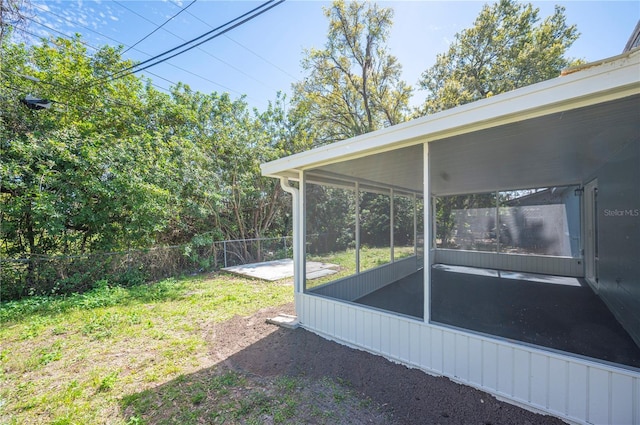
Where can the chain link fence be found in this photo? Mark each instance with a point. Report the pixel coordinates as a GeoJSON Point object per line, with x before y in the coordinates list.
{"type": "Point", "coordinates": [56, 275]}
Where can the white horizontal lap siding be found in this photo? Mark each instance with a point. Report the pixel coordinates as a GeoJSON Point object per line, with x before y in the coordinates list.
{"type": "Point", "coordinates": [568, 387]}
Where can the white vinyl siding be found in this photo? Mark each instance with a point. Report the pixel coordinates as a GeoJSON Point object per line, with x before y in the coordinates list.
{"type": "Point", "coordinates": [569, 387]}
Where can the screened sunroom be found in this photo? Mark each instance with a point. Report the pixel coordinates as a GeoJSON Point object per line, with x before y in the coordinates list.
{"type": "Point", "coordinates": [496, 243]}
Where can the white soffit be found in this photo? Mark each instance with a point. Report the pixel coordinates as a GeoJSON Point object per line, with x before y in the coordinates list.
{"type": "Point", "coordinates": [611, 79]}
{"type": "Point", "coordinates": [400, 169]}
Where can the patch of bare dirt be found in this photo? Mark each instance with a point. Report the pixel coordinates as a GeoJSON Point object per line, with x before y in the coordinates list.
{"type": "Point", "coordinates": [406, 396]}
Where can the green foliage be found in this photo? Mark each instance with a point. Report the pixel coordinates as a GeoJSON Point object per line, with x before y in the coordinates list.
{"type": "Point", "coordinates": [353, 85]}
{"type": "Point", "coordinates": [39, 308]}
{"type": "Point", "coordinates": [72, 176]}
{"type": "Point", "coordinates": [508, 47]}
{"type": "Point", "coordinates": [107, 382]}
{"type": "Point", "coordinates": [115, 165]}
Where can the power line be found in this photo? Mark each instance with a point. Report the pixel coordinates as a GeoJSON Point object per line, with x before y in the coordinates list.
{"type": "Point", "coordinates": [218, 34]}
{"type": "Point", "coordinates": [242, 18]}
{"type": "Point", "coordinates": [192, 40]}
{"type": "Point", "coordinates": [66, 18]}
{"type": "Point", "coordinates": [55, 30]}
{"type": "Point", "coordinates": [21, 92]}
{"type": "Point", "coordinates": [140, 51]}
{"type": "Point", "coordinates": [39, 36]}
{"type": "Point", "coordinates": [158, 27]}
{"type": "Point", "coordinates": [145, 53]}
{"type": "Point", "coordinates": [62, 86]}
{"type": "Point", "coordinates": [263, 58]}
{"type": "Point", "coordinates": [244, 47]}
{"type": "Point", "coordinates": [235, 68]}
{"type": "Point", "coordinates": [125, 72]}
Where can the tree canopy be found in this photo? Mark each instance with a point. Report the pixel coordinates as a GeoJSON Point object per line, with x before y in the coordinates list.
{"type": "Point", "coordinates": [353, 84]}
{"type": "Point", "coordinates": [508, 47]}
{"type": "Point", "coordinates": [96, 160]}
{"type": "Point", "coordinates": [113, 163]}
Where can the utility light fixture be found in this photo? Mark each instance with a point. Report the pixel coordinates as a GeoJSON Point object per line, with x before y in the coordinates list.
{"type": "Point", "coordinates": [36, 103]}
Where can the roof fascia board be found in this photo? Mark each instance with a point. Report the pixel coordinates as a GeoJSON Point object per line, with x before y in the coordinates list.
{"type": "Point", "coordinates": [607, 80]}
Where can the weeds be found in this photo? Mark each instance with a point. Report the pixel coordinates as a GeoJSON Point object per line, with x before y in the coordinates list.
{"type": "Point", "coordinates": [69, 359]}
{"type": "Point", "coordinates": [139, 355]}
{"type": "Point", "coordinates": [226, 396]}
{"type": "Point", "coordinates": [45, 355]}
{"type": "Point", "coordinates": [108, 382]}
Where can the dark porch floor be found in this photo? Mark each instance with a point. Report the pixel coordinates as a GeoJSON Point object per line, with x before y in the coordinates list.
{"type": "Point", "coordinates": [568, 318]}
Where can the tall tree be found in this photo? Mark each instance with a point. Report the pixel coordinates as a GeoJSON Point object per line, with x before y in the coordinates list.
{"type": "Point", "coordinates": [353, 85]}
{"type": "Point", "coordinates": [508, 47]}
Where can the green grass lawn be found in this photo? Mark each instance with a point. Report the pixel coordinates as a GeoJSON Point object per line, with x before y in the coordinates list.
{"type": "Point", "coordinates": [89, 358]}
{"type": "Point", "coordinates": [74, 360]}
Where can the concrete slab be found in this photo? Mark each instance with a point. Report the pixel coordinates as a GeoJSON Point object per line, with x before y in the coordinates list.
{"type": "Point", "coordinates": [516, 276]}
{"type": "Point", "coordinates": [548, 311]}
{"type": "Point", "coordinates": [285, 320]}
{"type": "Point", "coordinates": [282, 269]}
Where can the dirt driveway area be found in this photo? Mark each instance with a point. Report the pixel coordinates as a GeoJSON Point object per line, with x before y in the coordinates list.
{"type": "Point", "coordinates": [406, 396]}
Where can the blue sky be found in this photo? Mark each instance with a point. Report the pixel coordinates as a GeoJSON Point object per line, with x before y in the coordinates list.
{"type": "Point", "coordinates": [263, 56]}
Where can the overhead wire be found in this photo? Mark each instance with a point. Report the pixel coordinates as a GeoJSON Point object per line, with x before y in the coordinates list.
{"type": "Point", "coordinates": [229, 89]}
{"type": "Point", "coordinates": [21, 92]}
{"type": "Point", "coordinates": [243, 46]}
{"type": "Point", "coordinates": [212, 37]}
{"type": "Point", "coordinates": [194, 39]}
{"type": "Point", "coordinates": [159, 27]}
{"type": "Point", "coordinates": [261, 57]}
{"type": "Point", "coordinates": [143, 52]}
{"type": "Point", "coordinates": [127, 71]}
{"type": "Point", "coordinates": [54, 84]}
{"type": "Point", "coordinates": [57, 31]}
{"type": "Point", "coordinates": [39, 36]}
{"type": "Point", "coordinates": [253, 13]}
{"type": "Point", "coordinates": [235, 68]}
{"type": "Point", "coordinates": [49, 11]}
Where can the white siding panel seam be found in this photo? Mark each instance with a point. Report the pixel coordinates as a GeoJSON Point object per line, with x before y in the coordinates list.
{"type": "Point", "coordinates": [548, 378]}
{"type": "Point", "coordinates": [482, 369]}
{"type": "Point", "coordinates": [588, 395]}
{"type": "Point", "coordinates": [610, 401]}
{"type": "Point", "coordinates": [528, 378]}
{"type": "Point", "coordinates": [566, 387]}
{"type": "Point", "coordinates": [636, 404]}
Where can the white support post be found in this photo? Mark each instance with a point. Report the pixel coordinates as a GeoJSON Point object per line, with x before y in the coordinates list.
{"type": "Point", "coordinates": [427, 234]}
{"type": "Point", "coordinates": [415, 225]}
{"type": "Point", "coordinates": [391, 222]}
{"type": "Point", "coordinates": [498, 248]}
{"type": "Point", "coordinates": [357, 228]}
{"type": "Point", "coordinates": [302, 230]}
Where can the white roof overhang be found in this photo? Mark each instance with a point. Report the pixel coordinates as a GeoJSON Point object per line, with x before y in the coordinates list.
{"type": "Point", "coordinates": [591, 84]}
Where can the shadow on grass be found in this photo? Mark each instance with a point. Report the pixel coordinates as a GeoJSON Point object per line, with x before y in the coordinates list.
{"type": "Point", "coordinates": [276, 369]}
